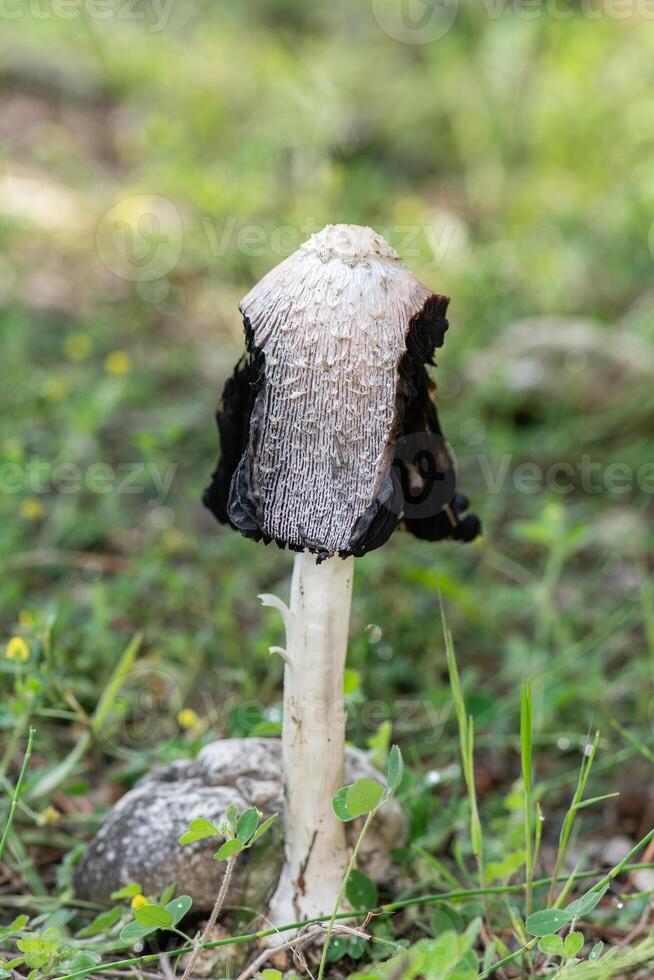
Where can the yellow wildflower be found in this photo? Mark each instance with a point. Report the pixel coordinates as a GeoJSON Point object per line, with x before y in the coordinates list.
{"type": "Point", "coordinates": [49, 816]}
{"type": "Point", "coordinates": [187, 718]}
{"type": "Point", "coordinates": [138, 902]}
{"type": "Point", "coordinates": [32, 509]}
{"type": "Point", "coordinates": [17, 649]}
{"type": "Point", "coordinates": [118, 362]}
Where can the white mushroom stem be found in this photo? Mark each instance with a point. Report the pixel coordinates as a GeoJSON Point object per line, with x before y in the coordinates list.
{"type": "Point", "coordinates": [313, 736]}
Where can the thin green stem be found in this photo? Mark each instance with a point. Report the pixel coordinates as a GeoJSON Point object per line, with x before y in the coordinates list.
{"type": "Point", "coordinates": [388, 909]}
{"type": "Point", "coordinates": [526, 754]}
{"type": "Point", "coordinates": [633, 741]}
{"type": "Point", "coordinates": [466, 743]}
{"type": "Point", "coordinates": [510, 958]}
{"type": "Point", "coordinates": [598, 886]}
{"type": "Point", "coordinates": [19, 729]}
{"type": "Point", "coordinates": [571, 815]}
{"type": "Point", "coordinates": [53, 778]}
{"type": "Point", "coordinates": [17, 791]}
{"type": "Point", "coordinates": [547, 620]}
{"type": "Point", "coordinates": [213, 918]}
{"type": "Point", "coordinates": [647, 604]}
{"type": "Point", "coordinates": [619, 868]}
{"type": "Point", "coordinates": [341, 892]}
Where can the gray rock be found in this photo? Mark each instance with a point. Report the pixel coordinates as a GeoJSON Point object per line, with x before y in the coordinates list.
{"type": "Point", "coordinates": [138, 840]}
{"type": "Point", "coordinates": [585, 362]}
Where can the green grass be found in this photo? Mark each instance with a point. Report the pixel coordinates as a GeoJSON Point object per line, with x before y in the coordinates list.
{"type": "Point", "coordinates": [510, 163]}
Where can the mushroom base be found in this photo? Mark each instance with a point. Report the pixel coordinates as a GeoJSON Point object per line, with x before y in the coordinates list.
{"type": "Point", "coordinates": [139, 837]}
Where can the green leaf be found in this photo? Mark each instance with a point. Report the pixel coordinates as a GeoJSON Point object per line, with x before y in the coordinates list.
{"type": "Point", "coordinates": [271, 975]}
{"type": "Point", "coordinates": [39, 948]}
{"type": "Point", "coordinates": [489, 956]}
{"type": "Point", "coordinates": [574, 942]}
{"type": "Point", "coordinates": [496, 870]}
{"type": "Point", "coordinates": [351, 681]}
{"type": "Point", "coordinates": [129, 891]}
{"type": "Point", "coordinates": [472, 931]}
{"type": "Point", "coordinates": [357, 947]}
{"type": "Point", "coordinates": [440, 956]}
{"type": "Point", "coordinates": [178, 907]}
{"type": "Point", "coordinates": [551, 946]}
{"type": "Point", "coordinates": [582, 906]}
{"type": "Point", "coordinates": [361, 891]}
{"type": "Point", "coordinates": [199, 829]}
{"type": "Point", "coordinates": [17, 925]}
{"type": "Point", "coordinates": [134, 932]}
{"type": "Point", "coordinates": [102, 923]}
{"type": "Point", "coordinates": [379, 743]}
{"type": "Point", "coordinates": [339, 805]}
{"type": "Point", "coordinates": [363, 797]}
{"type": "Point", "coordinates": [444, 919]}
{"type": "Point", "coordinates": [337, 949]}
{"type": "Point", "coordinates": [231, 848]}
{"type": "Point", "coordinates": [231, 816]}
{"type": "Point", "coordinates": [167, 894]}
{"type": "Point", "coordinates": [264, 828]}
{"type": "Point", "coordinates": [247, 824]}
{"type": "Point", "coordinates": [86, 959]}
{"type": "Point", "coordinates": [395, 769]}
{"type": "Point", "coordinates": [468, 963]}
{"type": "Point", "coordinates": [596, 951]}
{"type": "Point", "coordinates": [548, 921]}
{"type": "Point", "coordinates": [153, 916]}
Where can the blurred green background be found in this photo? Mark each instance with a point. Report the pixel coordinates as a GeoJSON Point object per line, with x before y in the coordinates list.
{"type": "Point", "coordinates": [157, 159]}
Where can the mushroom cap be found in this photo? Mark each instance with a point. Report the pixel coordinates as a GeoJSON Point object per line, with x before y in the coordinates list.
{"type": "Point", "coordinates": [330, 331]}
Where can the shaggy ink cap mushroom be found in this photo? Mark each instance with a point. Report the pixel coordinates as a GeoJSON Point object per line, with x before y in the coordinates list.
{"type": "Point", "coordinates": [328, 426]}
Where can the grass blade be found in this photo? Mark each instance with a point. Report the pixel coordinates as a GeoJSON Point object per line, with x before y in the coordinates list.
{"type": "Point", "coordinates": [466, 742]}
{"type": "Point", "coordinates": [17, 791]}
{"type": "Point", "coordinates": [54, 777]}
{"type": "Point", "coordinates": [527, 763]}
